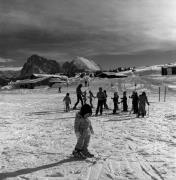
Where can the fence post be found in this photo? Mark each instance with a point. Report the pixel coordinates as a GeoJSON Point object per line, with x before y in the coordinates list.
{"type": "Point", "coordinates": [135, 86]}
{"type": "Point", "coordinates": [67, 86]}
{"type": "Point", "coordinates": [159, 94]}
{"type": "Point", "coordinates": [165, 94]}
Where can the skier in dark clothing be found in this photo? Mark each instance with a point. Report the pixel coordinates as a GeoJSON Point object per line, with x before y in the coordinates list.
{"type": "Point", "coordinates": [115, 101]}
{"type": "Point", "coordinates": [79, 96]}
{"type": "Point", "coordinates": [101, 97]}
{"type": "Point", "coordinates": [135, 100]}
{"type": "Point", "coordinates": [135, 103]}
{"type": "Point", "coordinates": [67, 101]}
{"type": "Point", "coordinates": [143, 100]}
{"type": "Point", "coordinates": [105, 100]}
{"type": "Point", "coordinates": [124, 101]}
{"type": "Point", "coordinates": [59, 89]}
{"type": "Point", "coordinates": [85, 83]}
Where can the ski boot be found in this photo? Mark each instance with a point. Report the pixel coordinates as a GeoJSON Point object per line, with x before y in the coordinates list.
{"type": "Point", "coordinates": [88, 154]}
{"type": "Point", "coordinates": [78, 154]}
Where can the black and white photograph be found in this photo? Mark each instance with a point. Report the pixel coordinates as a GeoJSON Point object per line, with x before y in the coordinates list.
{"type": "Point", "coordinates": [87, 89]}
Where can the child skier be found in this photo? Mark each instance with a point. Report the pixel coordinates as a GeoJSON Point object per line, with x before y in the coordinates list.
{"type": "Point", "coordinates": [90, 98]}
{"type": "Point", "coordinates": [83, 131]}
{"type": "Point", "coordinates": [84, 97]}
{"type": "Point", "coordinates": [115, 101]}
{"type": "Point", "coordinates": [59, 89]}
{"type": "Point", "coordinates": [135, 99]}
{"type": "Point", "coordinates": [79, 96]}
{"type": "Point", "coordinates": [143, 100]}
{"type": "Point", "coordinates": [101, 97]}
{"type": "Point", "coordinates": [67, 101]}
{"type": "Point", "coordinates": [105, 100]}
{"type": "Point", "coordinates": [124, 101]}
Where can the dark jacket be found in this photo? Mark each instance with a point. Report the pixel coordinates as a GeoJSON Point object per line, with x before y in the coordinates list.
{"type": "Point", "coordinates": [78, 91]}
{"type": "Point", "coordinates": [101, 96]}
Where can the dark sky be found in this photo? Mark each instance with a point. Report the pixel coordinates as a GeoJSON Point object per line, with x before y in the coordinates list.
{"type": "Point", "coordinates": [111, 32]}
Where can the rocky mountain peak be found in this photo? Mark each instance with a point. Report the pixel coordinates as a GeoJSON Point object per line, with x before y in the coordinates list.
{"type": "Point", "coordinates": [38, 64]}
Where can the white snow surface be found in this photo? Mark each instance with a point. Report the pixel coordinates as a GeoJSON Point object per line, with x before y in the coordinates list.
{"type": "Point", "coordinates": [37, 136]}
{"type": "Point", "coordinates": [86, 64]}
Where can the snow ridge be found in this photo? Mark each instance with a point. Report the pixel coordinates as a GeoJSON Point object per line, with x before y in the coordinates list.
{"type": "Point", "coordinates": [86, 64]}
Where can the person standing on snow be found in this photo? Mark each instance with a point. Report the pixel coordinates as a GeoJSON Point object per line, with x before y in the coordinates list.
{"type": "Point", "coordinates": [143, 100]}
{"type": "Point", "coordinates": [83, 130]}
{"type": "Point", "coordinates": [124, 101]}
{"type": "Point", "coordinates": [135, 103]}
{"type": "Point", "coordinates": [105, 100]}
{"type": "Point", "coordinates": [115, 101]}
{"type": "Point", "coordinates": [79, 96]}
{"type": "Point", "coordinates": [59, 89]}
{"type": "Point", "coordinates": [91, 96]}
{"type": "Point", "coordinates": [85, 83]}
{"type": "Point", "coordinates": [135, 99]}
{"type": "Point", "coordinates": [84, 97]}
{"type": "Point", "coordinates": [67, 101]}
{"type": "Point", "coordinates": [101, 97]}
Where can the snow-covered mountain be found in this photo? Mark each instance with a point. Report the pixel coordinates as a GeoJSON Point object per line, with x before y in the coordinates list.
{"type": "Point", "coordinates": [86, 64]}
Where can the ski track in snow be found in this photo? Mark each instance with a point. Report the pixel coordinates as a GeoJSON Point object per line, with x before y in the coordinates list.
{"type": "Point", "coordinates": [37, 138]}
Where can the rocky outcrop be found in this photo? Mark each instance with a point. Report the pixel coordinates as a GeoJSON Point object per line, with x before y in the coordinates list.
{"type": "Point", "coordinates": [37, 64]}
{"type": "Point", "coordinates": [79, 64]}
{"type": "Point", "coordinates": [69, 68]}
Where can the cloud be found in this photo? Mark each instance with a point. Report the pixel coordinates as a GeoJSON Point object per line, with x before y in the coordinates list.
{"type": "Point", "coordinates": [67, 28]}
{"type": "Point", "coordinates": [3, 68]}
{"type": "Point", "coordinates": [5, 60]}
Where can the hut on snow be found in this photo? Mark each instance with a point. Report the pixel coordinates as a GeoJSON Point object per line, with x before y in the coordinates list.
{"type": "Point", "coordinates": [111, 75]}
{"type": "Point", "coordinates": [168, 70]}
{"type": "Point", "coordinates": [39, 80]}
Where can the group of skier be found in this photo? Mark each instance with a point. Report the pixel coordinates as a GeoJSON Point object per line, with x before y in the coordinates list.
{"type": "Point", "coordinates": [138, 102]}
{"type": "Point", "coordinates": [82, 125]}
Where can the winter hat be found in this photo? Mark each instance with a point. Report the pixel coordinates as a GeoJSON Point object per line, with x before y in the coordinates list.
{"type": "Point", "coordinates": [86, 108]}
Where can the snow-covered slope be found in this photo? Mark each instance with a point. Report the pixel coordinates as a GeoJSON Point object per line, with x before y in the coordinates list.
{"type": "Point", "coordinates": [37, 137]}
{"type": "Point", "coordinates": [145, 70]}
{"type": "Point", "coordinates": [86, 64]}
{"type": "Point", "coordinates": [149, 70]}
{"type": "Point", "coordinates": [155, 69]}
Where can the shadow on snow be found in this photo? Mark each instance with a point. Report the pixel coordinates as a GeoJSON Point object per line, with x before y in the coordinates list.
{"type": "Point", "coordinates": [46, 112]}
{"type": "Point", "coordinates": [31, 170]}
{"type": "Point", "coordinates": [121, 119]}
